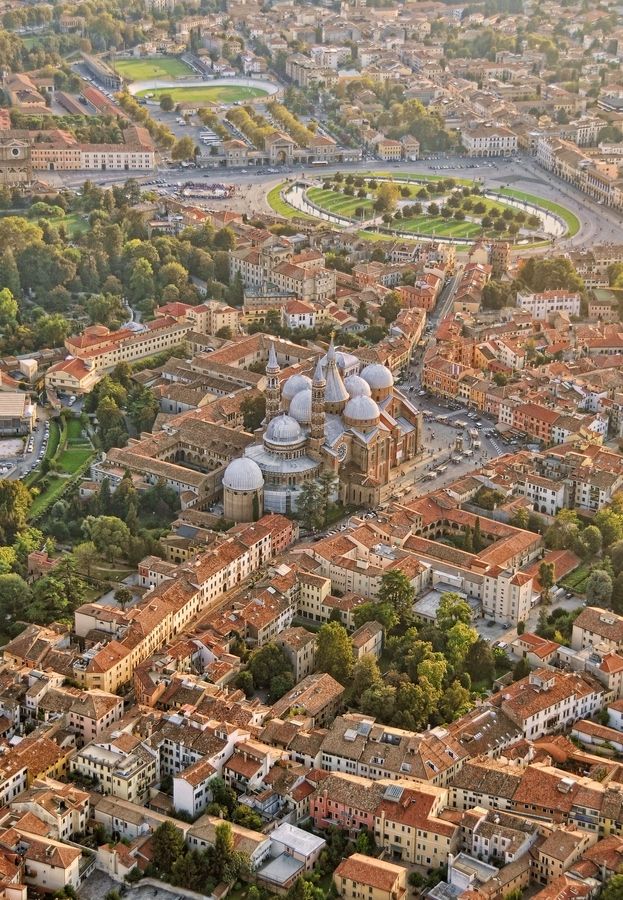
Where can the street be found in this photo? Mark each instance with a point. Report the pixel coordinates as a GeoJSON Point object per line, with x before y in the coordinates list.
{"type": "Point", "coordinates": [598, 223]}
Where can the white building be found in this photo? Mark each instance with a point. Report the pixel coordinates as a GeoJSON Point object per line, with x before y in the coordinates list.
{"type": "Point", "coordinates": [541, 305]}
{"type": "Point", "coordinates": [489, 140]}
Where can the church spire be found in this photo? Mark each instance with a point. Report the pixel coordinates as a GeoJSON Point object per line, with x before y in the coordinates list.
{"type": "Point", "coordinates": [272, 384]}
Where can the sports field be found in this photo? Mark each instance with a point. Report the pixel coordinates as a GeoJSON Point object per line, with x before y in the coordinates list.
{"type": "Point", "coordinates": [221, 93]}
{"type": "Point", "coordinates": [152, 67]}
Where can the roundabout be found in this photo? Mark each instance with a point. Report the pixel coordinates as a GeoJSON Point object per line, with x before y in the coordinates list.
{"type": "Point", "coordinates": [456, 210]}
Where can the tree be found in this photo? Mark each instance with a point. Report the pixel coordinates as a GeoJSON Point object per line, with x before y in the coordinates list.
{"type": "Point", "coordinates": [9, 273]}
{"type": "Point", "coordinates": [379, 701]}
{"type": "Point", "coordinates": [454, 702]}
{"type": "Point", "coordinates": [303, 889]}
{"type": "Point", "coordinates": [390, 307]}
{"type": "Point", "coordinates": [397, 591]}
{"type": "Point", "coordinates": [109, 534]}
{"type": "Point", "coordinates": [591, 541]}
{"type": "Point", "coordinates": [617, 594]}
{"type": "Point", "coordinates": [183, 149]}
{"type": "Point", "coordinates": [468, 542]}
{"type": "Point", "coordinates": [599, 587]}
{"type": "Point", "coordinates": [480, 662]}
{"type": "Point", "coordinates": [521, 670]}
{"type": "Point", "coordinates": [309, 507]}
{"type": "Point", "coordinates": [477, 538]}
{"type": "Point", "coordinates": [615, 552]}
{"type": "Point", "coordinates": [8, 308]}
{"type": "Point", "coordinates": [168, 846]}
{"type": "Point", "coordinates": [458, 641]}
{"type": "Point", "coordinates": [253, 409]}
{"type": "Point", "coordinates": [546, 580]}
{"type": "Point", "coordinates": [365, 675]}
{"type": "Point", "coordinates": [166, 102]}
{"type": "Point", "coordinates": [15, 503]}
{"type": "Point", "coordinates": [376, 612]}
{"type": "Point", "coordinates": [247, 817]}
{"type": "Point", "coordinates": [610, 524]}
{"type": "Point", "coordinates": [386, 197]}
{"type": "Point", "coordinates": [268, 662]}
{"type": "Point", "coordinates": [334, 652]}
{"type": "Point", "coordinates": [613, 889]}
{"type": "Point", "coordinates": [123, 596]}
{"type": "Point", "coordinates": [15, 596]}
{"type": "Point", "coordinates": [452, 609]}
{"type": "Point", "coordinates": [85, 556]}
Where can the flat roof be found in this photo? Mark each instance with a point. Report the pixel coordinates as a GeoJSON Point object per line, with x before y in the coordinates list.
{"type": "Point", "coordinates": [297, 839]}
{"type": "Point", "coordinates": [281, 869]}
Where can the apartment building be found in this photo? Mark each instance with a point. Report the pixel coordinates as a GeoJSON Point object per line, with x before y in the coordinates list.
{"type": "Point", "coordinates": [489, 140]}
{"type": "Point", "coordinates": [123, 767]}
{"type": "Point", "coordinates": [548, 700]}
{"type": "Point", "coordinates": [541, 305]}
{"type": "Point", "coordinates": [597, 628]}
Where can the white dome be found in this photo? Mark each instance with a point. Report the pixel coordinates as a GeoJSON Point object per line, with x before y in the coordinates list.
{"type": "Point", "coordinates": [378, 376]}
{"type": "Point", "coordinates": [243, 475]}
{"type": "Point", "coordinates": [361, 409]}
{"type": "Point", "coordinates": [294, 384]}
{"type": "Point", "coordinates": [284, 430]}
{"type": "Point", "coordinates": [301, 407]}
{"type": "Point", "coordinates": [356, 386]}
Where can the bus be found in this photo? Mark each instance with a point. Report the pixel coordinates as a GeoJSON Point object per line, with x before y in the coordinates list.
{"type": "Point", "coordinates": [319, 162]}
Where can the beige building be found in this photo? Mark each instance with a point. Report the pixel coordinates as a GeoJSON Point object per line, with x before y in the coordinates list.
{"type": "Point", "coordinates": [359, 876]}
{"type": "Point", "coordinates": [124, 767]}
{"type": "Point", "coordinates": [299, 646]}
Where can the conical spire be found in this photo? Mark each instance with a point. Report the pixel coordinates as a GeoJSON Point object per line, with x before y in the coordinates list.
{"type": "Point", "coordinates": [319, 374]}
{"type": "Point", "coordinates": [272, 366]}
{"type": "Point", "coordinates": [331, 350]}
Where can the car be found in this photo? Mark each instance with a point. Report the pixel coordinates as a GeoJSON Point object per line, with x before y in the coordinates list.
{"type": "Point", "coordinates": [569, 595]}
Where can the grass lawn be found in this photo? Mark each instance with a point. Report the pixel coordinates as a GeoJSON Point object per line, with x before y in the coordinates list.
{"type": "Point", "coordinates": [56, 486]}
{"type": "Point", "coordinates": [336, 202]}
{"type": "Point", "coordinates": [71, 459]}
{"type": "Point", "coordinates": [571, 221]}
{"type": "Point", "coordinates": [436, 225]}
{"type": "Point", "coordinates": [280, 206]}
{"type": "Point", "coordinates": [74, 223]}
{"type": "Point", "coordinates": [222, 93]}
{"type": "Point", "coordinates": [152, 67]}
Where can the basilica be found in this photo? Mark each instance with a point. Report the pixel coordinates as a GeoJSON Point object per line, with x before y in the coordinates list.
{"type": "Point", "coordinates": [347, 418]}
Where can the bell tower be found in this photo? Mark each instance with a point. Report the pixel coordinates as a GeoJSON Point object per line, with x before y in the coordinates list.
{"type": "Point", "coordinates": [273, 399]}
{"type": "Point", "coordinates": [317, 411]}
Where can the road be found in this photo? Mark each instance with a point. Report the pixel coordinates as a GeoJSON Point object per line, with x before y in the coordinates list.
{"type": "Point", "coordinates": [598, 223]}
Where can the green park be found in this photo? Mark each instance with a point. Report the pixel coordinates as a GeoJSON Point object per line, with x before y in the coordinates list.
{"type": "Point", "coordinates": [428, 205]}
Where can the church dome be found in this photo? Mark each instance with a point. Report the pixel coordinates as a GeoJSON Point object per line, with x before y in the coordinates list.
{"type": "Point", "coordinates": [301, 407]}
{"type": "Point", "coordinates": [361, 409]}
{"type": "Point", "coordinates": [283, 430]}
{"type": "Point", "coordinates": [356, 386]}
{"type": "Point", "coordinates": [294, 384]}
{"type": "Point", "coordinates": [243, 475]}
{"type": "Point", "coordinates": [378, 377]}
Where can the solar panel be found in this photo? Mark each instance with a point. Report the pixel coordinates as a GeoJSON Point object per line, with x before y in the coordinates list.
{"type": "Point", "coordinates": [393, 792]}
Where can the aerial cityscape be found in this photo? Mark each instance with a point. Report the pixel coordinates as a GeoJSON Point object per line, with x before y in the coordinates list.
{"type": "Point", "coordinates": [311, 449]}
